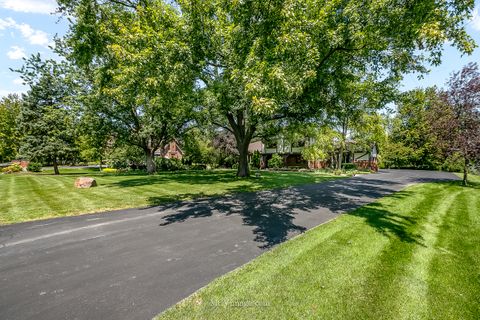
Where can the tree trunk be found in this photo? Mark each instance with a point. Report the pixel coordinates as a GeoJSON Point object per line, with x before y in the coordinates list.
{"type": "Point", "coordinates": [243, 169]}
{"type": "Point", "coordinates": [243, 133]}
{"type": "Point", "coordinates": [465, 172]}
{"type": "Point", "coordinates": [101, 160]}
{"type": "Point", "coordinates": [340, 158]}
{"type": "Point", "coordinates": [55, 166]}
{"type": "Point", "coordinates": [149, 154]}
{"type": "Point", "coordinates": [344, 138]}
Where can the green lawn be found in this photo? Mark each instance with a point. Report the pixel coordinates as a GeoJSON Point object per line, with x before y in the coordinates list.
{"type": "Point", "coordinates": [412, 255]}
{"type": "Point", "coordinates": [26, 197]}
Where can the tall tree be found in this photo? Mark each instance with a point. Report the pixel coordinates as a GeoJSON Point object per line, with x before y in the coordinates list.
{"type": "Point", "coordinates": [46, 119]}
{"type": "Point", "coordinates": [265, 60]}
{"type": "Point", "coordinates": [141, 64]}
{"type": "Point", "coordinates": [459, 123]}
{"type": "Point", "coordinates": [9, 134]}
{"type": "Point", "coordinates": [413, 137]}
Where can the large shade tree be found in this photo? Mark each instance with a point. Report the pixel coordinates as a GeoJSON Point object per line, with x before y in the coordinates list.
{"type": "Point", "coordinates": [267, 60]}
{"type": "Point", "coordinates": [257, 61]}
{"type": "Point", "coordinates": [140, 64]}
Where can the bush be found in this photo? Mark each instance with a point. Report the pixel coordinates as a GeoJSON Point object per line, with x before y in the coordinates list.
{"type": "Point", "coordinates": [34, 167]}
{"type": "Point", "coordinates": [110, 170]}
{"type": "Point", "coordinates": [337, 172]}
{"type": "Point", "coordinates": [454, 163]}
{"type": "Point", "coordinates": [276, 161]}
{"type": "Point", "coordinates": [15, 167]}
{"type": "Point", "coordinates": [198, 167]}
{"type": "Point", "coordinates": [255, 161]}
{"type": "Point", "coordinates": [126, 157]}
{"type": "Point", "coordinates": [164, 164]}
{"type": "Point", "coordinates": [349, 166]}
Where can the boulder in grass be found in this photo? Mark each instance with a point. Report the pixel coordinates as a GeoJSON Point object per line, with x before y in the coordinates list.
{"type": "Point", "coordinates": [85, 182]}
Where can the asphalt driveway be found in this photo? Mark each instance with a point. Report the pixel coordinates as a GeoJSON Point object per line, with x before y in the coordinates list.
{"type": "Point", "coordinates": [133, 264]}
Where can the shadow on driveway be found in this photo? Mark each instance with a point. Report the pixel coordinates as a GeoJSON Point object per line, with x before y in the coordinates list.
{"type": "Point", "coordinates": [272, 214]}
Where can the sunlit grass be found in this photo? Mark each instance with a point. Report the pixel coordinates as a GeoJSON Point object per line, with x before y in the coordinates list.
{"type": "Point", "coordinates": [37, 196]}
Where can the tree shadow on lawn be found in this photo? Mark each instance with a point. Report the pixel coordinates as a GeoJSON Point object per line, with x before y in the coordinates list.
{"type": "Point", "coordinates": [273, 213]}
{"type": "Point", "coordinates": [266, 180]}
{"type": "Point", "coordinates": [186, 177]}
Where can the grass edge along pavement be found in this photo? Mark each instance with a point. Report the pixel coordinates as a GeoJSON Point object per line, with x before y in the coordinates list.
{"type": "Point", "coordinates": [27, 197]}
{"type": "Point", "coordinates": [411, 255]}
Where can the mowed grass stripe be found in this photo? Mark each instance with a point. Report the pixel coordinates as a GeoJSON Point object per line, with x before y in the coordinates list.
{"type": "Point", "coordinates": [7, 201]}
{"type": "Point", "coordinates": [454, 282]}
{"type": "Point", "coordinates": [40, 196]}
{"type": "Point", "coordinates": [415, 287]}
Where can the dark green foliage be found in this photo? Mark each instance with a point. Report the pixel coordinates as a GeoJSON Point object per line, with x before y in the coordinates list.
{"type": "Point", "coordinates": [349, 166]}
{"type": "Point", "coordinates": [126, 157]}
{"type": "Point", "coordinates": [9, 134]}
{"type": "Point", "coordinates": [164, 164]}
{"type": "Point", "coordinates": [255, 161]}
{"type": "Point", "coordinates": [276, 161]}
{"type": "Point", "coordinates": [34, 167]}
{"type": "Point", "coordinates": [198, 148]}
{"type": "Point", "coordinates": [412, 143]}
{"type": "Point", "coordinates": [46, 119]}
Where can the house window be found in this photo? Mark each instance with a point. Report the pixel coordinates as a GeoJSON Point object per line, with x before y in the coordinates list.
{"type": "Point", "coordinates": [271, 144]}
{"type": "Point", "coordinates": [299, 143]}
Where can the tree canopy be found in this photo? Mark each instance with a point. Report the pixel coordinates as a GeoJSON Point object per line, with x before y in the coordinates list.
{"type": "Point", "coordinates": [46, 118]}
{"type": "Point", "coordinates": [137, 74]}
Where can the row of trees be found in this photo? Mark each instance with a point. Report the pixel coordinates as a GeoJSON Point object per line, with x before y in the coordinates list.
{"type": "Point", "coordinates": [438, 129]}
{"type": "Point", "coordinates": [142, 72]}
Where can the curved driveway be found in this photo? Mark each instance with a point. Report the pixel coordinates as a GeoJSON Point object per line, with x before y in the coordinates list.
{"type": "Point", "coordinates": [133, 264]}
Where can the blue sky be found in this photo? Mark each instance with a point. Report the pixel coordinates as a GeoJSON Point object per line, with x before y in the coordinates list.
{"type": "Point", "coordinates": [28, 26]}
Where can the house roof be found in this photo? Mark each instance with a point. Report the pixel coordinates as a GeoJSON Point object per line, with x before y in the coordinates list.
{"type": "Point", "coordinates": [255, 146]}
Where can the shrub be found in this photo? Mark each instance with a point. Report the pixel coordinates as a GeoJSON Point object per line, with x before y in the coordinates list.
{"type": "Point", "coordinates": [164, 164]}
{"type": "Point", "coordinates": [276, 161]}
{"type": "Point", "coordinates": [255, 161]}
{"type": "Point", "coordinates": [454, 163]}
{"type": "Point", "coordinates": [337, 172]}
{"type": "Point", "coordinates": [34, 167]}
{"type": "Point", "coordinates": [349, 166]}
{"type": "Point", "coordinates": [198, 167]}
{"type": "Point", "coordinates": [126, 157]}
{"type": "Point", "coordinates": [15, 167]}
{"type": "Point", "coordinates": [110, 170]}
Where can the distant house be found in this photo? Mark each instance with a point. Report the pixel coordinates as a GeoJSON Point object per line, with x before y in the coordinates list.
{"type": "Point", "coordinates": [170, 151]}
{"type": "Point", "coordinates": [292, 154]}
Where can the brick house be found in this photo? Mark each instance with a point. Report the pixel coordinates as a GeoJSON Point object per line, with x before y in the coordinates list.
{"type": "Point", "coordinates": [292, 154]}
{"type": "Point", "coordinates": [171, 151]}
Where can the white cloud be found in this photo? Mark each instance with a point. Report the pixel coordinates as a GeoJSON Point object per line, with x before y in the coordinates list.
{"type": "Point", "coordinates": [33, 36]}
{"type": "Point", "coordinates": [4, 93]}
{"type": "Point", "coordinates": [18, 81]}
{"type": "Point", "coordinates": [29, 6]}
{"type": "Point", "coordinates": [475, 21]}
{"type": "Point", "coordinates": [16, 53]}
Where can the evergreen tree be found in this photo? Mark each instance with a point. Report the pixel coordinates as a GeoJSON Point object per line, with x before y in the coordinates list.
{"type": "Point", "coordinates": [46, 120]}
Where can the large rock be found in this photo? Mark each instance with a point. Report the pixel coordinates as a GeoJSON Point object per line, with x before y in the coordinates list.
{"type": "Point", "coordinates": [85, 182]}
